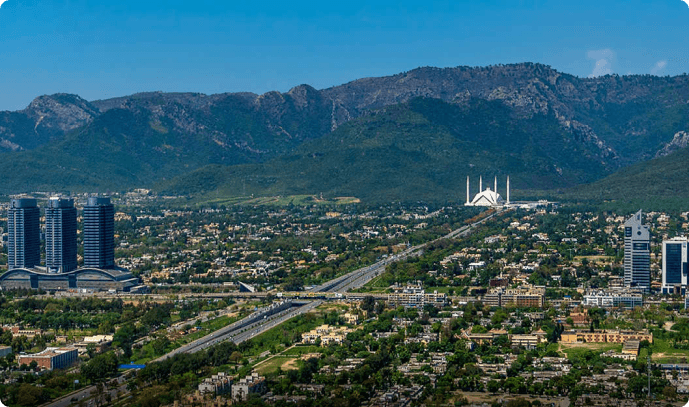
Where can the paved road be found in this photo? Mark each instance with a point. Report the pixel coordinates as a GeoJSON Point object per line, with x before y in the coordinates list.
{"type": "Point", "coordinates": [349, 281]}
{"type": "Point", "coordinates": [360, 277]}
{"type": "Point", "coordinates": [86, 393]}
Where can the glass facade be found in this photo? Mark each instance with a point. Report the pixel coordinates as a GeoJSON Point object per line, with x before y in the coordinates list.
{"type": "Point", "coordinates": [99, 233]}
{"type": "Point", "coordinates": [60, 236]}
{"type": "Point", "coordinates": [673, 263]}
{"type": "Point", "coordinates": [637, 253]}
{"type": "Point", "coordinates": [23, 230]}
{"type": "Point", "coordinates": [675, 256]}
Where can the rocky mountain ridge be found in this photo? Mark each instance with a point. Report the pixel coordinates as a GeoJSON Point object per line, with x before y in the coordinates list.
{"type": "Point", "coordinates": [618, 120]}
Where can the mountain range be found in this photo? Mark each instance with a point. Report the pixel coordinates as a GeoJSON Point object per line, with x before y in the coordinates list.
{"type": "Point", "coordinates": [414, 135]}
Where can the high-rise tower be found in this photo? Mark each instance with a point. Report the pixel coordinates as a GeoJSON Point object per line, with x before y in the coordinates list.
{"type": "Point", "coordinates": [637, 253]}
{"type": "Point", "coordinates": [675, 266]}
{"type": "Point", "coordinates": [60, 235]}
{"type": "Point", "coordinates": [99, 233]}
{"type": "Point", "coordinates": [24, 238]}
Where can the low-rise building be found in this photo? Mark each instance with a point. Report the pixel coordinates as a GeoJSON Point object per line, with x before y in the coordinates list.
{"type": "Point", "coordinates": [252, 384]}
{"type": "Point", "coordinates": [613, 299]}
{"type": "Point", "coordinates": [29, 333]}
{"type": "Point", "coordinates": [327, 335]}
{"type": "Point", "coordinates": [51, 358]}
{"type": "Point", "coordinates": [414, 296]}
{"type": "Point", "coordinates": [603, 336]}
{"type": "Point", "coordinates": [352, 319]}
{"type": "Point", "coordinates": [526, 341]}
{"type": "Point", "coordinates": [217, 384]}
{"type": "Point", "coordinates": [525, 296]}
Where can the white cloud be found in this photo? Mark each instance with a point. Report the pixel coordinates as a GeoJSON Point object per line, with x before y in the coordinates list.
{"type": "Point", "coordinates": [2, 1]}
{"type": "Point", "coordinates": [686, 1]}
{"type": "Point", "coordinates": [604, 59]}
{"type": "Point", "coordinates": [659, 66]}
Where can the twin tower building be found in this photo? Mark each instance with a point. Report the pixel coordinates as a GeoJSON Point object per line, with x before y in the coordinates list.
{"type": "Point", "coordinates": [24, 239]}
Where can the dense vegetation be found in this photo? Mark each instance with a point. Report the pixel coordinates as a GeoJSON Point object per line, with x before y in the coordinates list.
{"type": "Point", "coordinates": [549, 130]}
{"type": "Point", "coordinates": [658, 184]}
{"type": "Point", "coordinates": [420, 150]}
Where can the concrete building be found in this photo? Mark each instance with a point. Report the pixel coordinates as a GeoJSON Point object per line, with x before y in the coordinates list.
{"type": "Point", "coordinates": [603, 336]}
{"type": "Point", "coordinates": [527, 296]}
{"type": "Point", "coordinates": [637, 253]}
{"type": "Point", "coordinates": [252, 384]}
{"type": "Point", "coordinates": [24, 238]}
{"type": "Point", "coordinates": [51, 358]}
{"type": "Point", "coordinates": [99, 232]}
{"type": "Point", "coordinates": [327, 334]}
{"type": "Point", "coordinates": [675, 266]}
{"type": "Point", "coordinates": [29, 333]}
{"type": "Point", "coordinates": [527, 341]}
{"type": "Point", "coordinates": [60, 236]}
{"type": "Point", "coordinates": [613, 299]}
{"type": "Point", "coordinates": [414, 296]}
{"type": "Point", "coordinates": [217, 384]}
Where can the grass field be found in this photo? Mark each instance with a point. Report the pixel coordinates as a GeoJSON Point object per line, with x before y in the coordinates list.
{"type": "Point", "coordinates": [302, 350]}
{"type": "Point", "coordinates": [577, 349]}
{"type": "Point", "coordinates": [662, 351]}
{"type": "Point", "coordinates": [376, 282]}
{"type": "Point", "coordinates": [283, 362]}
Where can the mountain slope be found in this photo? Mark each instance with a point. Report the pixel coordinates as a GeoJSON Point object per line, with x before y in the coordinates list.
{"type": "Point", "coordinates": [422, 149]}
{"type": "Point", "coordinates": [46, 118]}
{"type": "Point", "coordinates": [655, 184]}
{"type": "Point", "coordinates": [63, 142]}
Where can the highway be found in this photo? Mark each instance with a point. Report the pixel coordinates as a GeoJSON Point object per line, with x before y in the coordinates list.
{"type": "Point", "coordinates": [358, 278]}
{"type": "Point", "coordinates": [269, 317]}
{"type": "Point", "coordinates": [255, 321]}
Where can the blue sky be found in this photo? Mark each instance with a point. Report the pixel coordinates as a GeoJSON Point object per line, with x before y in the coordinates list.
{"type": "Point", "coordinates": [101, 49]}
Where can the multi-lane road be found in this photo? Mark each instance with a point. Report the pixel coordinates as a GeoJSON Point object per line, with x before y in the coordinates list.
{"type": "Point", "coordinates": [269, 317]}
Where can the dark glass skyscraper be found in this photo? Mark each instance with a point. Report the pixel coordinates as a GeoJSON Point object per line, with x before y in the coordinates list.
{"type": "Point", "coordinates": [99, 233]}
{"type": "Point", "coordinates": [24, 238]}
{"type": "Point", "coordinates": [60, 236]}
{"type": "Point", "coordinates": [675, 266]}
{"type": "Point", "coordinates": [637, 253]}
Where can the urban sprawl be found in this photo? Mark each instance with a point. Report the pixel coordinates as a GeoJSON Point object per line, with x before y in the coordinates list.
{"type": "Point", "coordinates": [143, 300]}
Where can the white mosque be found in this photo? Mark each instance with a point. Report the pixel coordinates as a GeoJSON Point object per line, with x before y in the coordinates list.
{"type": "Point", "coordinates": [487, 197]}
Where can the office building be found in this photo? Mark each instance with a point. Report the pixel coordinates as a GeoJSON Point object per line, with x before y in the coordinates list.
{"type": "Point", "coordinates": [24, 238]}
{"type": "Point", "coordinates": [613, 299]}
{"type": "Point", "coordinates": [51, 358]}
{"type": "Point", "coordinates": [414, 296]}
{"type": "Point", "coordinates": [61, 272]}
{"type": "Point", "coordinates": [99, 233]}
{"type": "Point", "coordinates": [675, 267]}
{"type": "Point", "coordinates": [60, 236]}
{"type": "Point", "coordinates": [637, 253]}
{"type": "Point", "coordinates": [525, 296]}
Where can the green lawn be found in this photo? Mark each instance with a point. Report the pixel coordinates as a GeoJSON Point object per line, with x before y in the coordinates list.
{"type": "Point", "coordinates": [302, 350]}
{"type": "Point", "coordinates": [271, 365]}
{"type": "Point", "coordinates": [662, 351]}
{"type": "Point", "coordinates": [573, 351]}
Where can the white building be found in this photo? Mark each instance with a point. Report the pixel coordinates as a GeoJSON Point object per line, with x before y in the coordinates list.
{"type": "Point", "coordinates": [487, 197]}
